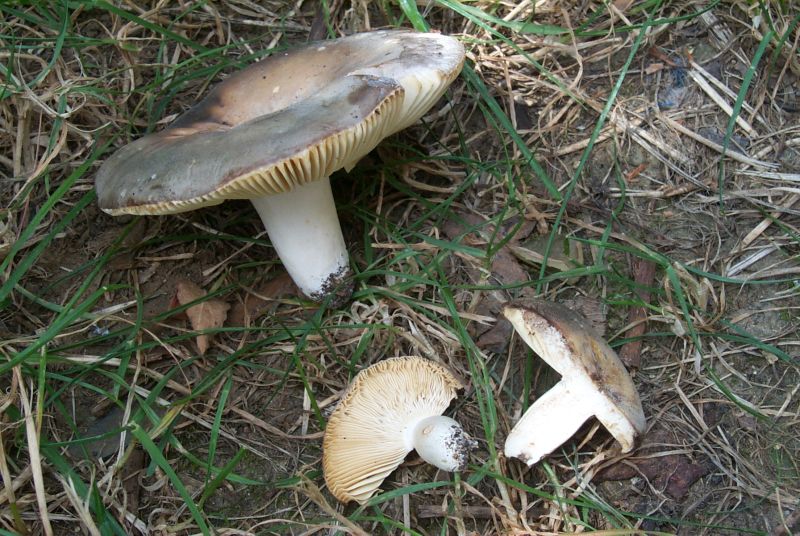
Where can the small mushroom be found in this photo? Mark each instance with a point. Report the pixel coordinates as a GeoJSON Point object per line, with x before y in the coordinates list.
{"type": "Point", "coordinates": [391, 408]}
{"type": "Point", "coordinates": [593, 382]}
{"type": "Point", "coordinates": [275, 131]}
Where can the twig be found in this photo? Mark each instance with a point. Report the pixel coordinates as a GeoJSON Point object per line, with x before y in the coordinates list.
{"type": "Point", "coordinates": [631, 352]}
{"type": "Point", "coordinates": [428, 511]}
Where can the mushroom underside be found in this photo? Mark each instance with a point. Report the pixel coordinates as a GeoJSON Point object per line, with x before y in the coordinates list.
{"type": "Point", "coordinates": [390, 409]}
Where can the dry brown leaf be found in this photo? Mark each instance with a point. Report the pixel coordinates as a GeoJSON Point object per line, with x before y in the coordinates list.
{"type": "Point", "coordinates": [257, 302]}
{"type": "Point", "coordinates": [673, 473]}
{"type": "Point", "coordinates": [206, 315]}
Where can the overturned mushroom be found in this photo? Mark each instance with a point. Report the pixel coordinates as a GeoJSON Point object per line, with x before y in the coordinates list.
{"type": "Point", "coordinates": [391, 408]}
{"type": "Point", "coordinates": [594, 382]}
{"type": "Point", "coordinates": [274, 132]}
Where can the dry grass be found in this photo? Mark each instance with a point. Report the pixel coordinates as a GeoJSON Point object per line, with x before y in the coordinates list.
{"type": "Point", "coordinates": [637, 160]}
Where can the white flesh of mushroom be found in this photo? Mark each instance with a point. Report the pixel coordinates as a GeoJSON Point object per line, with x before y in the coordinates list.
{"type": "Point", "coordinates": [304, 229]}
{"type": "Point", "coordinates": [552, 420]}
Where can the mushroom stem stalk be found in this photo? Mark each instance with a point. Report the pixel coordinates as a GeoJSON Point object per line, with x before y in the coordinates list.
{"type": "Point", "coordinates": [441, 442]}
{"type": "Point", "coordinates": [550, 421]}
{"type": "Point", "coordinates": [304, 229]}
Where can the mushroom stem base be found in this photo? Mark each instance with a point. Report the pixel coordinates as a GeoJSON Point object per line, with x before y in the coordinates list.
{"type": "Point", "coordinates": [304, 230]}
{"type": "Point", "coordinates": [549, 422]}
{"type": "Point", "coordinates": [441, 441]}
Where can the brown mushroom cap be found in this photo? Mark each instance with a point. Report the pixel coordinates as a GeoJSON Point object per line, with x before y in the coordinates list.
{"type": "Point", "coordinates": [289, 119]}
{"type": "Point", "coordinates": [183, 168]}
{"type": "Point", "coordinates": [371, 431]}
{"type": "Point", "coordinates": [593, 382]}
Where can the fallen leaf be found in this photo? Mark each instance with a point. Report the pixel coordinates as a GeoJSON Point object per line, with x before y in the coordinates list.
{"type": "Point", "coordinates": [496, 338]}
{"type": "Point", "coordinates": [505, 269]}
{"type": "Point", "coordinates": [673, 473]}
{"type": "Point", "coordinates": [565, 253]}
{"type": "Point", "coordinates": [683, 477]}
{"type": "Point", "coordinates": [256, 302]}
{"type": "Point", "coordinates": [654, 68]}
{"type": "Point", "coordinates": [205, 315]}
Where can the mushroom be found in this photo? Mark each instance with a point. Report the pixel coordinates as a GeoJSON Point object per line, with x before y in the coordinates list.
{"type": "Point", "coordinates": [593, 382]}
{"type": "Point", "coordinates": [275, 131]}
{"type": "Point", "coordinates": [391, 408]}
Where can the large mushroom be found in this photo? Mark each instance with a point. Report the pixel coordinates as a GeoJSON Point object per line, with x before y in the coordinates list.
{"type": "Point", "coordinates": [593, 382]}
{"type": "Point", "coordinates": [391, 408]}
{"type": "Point", "coordinates": [275, 131]}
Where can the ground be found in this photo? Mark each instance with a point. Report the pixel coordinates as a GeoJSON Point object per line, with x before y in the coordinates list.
{"type": "Point", "coordinates": [636, 161]}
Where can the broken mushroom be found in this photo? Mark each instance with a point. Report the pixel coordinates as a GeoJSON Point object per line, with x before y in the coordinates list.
{"type": "Point", "coordinates": [391, 408]}
{"type": "Point", "coordinates": [274, 132]}
{"type": "Point", "coordinates": [593, 382]}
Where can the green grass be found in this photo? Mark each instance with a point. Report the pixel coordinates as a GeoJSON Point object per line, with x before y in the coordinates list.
{"type": "Point", "coordinates": [75, 350]}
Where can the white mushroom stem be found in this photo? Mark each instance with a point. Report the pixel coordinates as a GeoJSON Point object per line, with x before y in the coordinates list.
{"type": "Point", "coordinates": [441, 442]}
{"type": "Point", "coordinates": [551, 421]}
{"type": "Point", "coordinates": [304, 230]}
{"type": "Point", "coordinates": [557, 415]}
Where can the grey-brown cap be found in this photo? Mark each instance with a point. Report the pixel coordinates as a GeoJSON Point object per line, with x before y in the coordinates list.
{"type": "Point", "coordinates": [289, 119]}
{"type": "Point", "coordinates": [594, 382]}
{"type": "Point", "coordinates": [389, 409]}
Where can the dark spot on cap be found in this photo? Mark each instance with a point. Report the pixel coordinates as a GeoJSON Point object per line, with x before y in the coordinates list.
{"type": "Point", "coordinates": [358, 95]}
